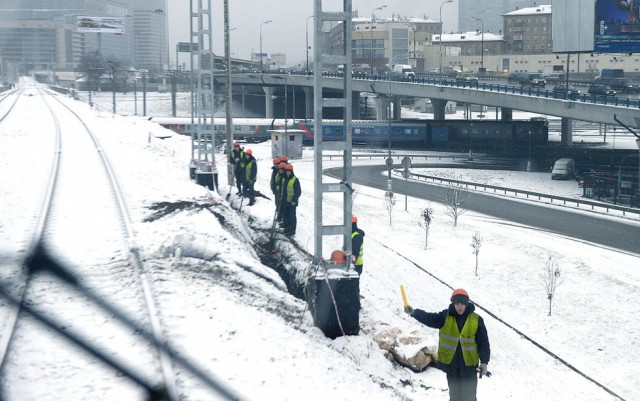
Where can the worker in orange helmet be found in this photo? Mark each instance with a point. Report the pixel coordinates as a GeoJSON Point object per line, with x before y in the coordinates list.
{"type": "Point", "coordinates": [463, 349]}
{"type": "Point", "coordinates": [251, 173]}
{"type": "Point", "coordinates": [290, 194]}
{"type": "Point", "coordinates": [236, 158]}
{"type": "Point", "coordinates": [357, 244]}
{"type": "Point", "coordinates": [275, 170]}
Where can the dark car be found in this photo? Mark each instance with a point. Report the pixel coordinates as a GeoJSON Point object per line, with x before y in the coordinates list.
{"type": "Point", "coordinates": [533, 80]}
{"type": "Point", "coordinates": [624, 85]}
{"type": "Point", "coordinates": [516, 77]}
{"type": "Point", "coordinates": [466, 78]}
{"type": "Point", "coordinates": [601, 89]}
{"type": "Point", "coordinates": [560, 89]}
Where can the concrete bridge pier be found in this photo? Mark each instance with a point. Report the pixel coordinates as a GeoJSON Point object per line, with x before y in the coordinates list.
{"type": "Point", "coordinates": [355, 106]}
{"type": "Point", "coordinates": [381, 108]}
{"type": "Point", "coordinates": [566, 132]}
{"type": "Point", "coordinates": [438, 108]}
{"type": "Point", "coordinates": [268, 101]}
{"type": "Point", "coordinates": [397, 108]}
{"type": "Point", "coordinates": [506, 114]}
{"type": "Point", "coordinates": [308, 103]}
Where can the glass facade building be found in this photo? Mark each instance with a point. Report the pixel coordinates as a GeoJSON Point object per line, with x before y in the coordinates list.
{"type": "Point", "coordinates": [38, 35]}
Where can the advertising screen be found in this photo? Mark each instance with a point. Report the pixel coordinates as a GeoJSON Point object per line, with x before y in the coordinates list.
{"type": "Point", "coordinates": [100, 24]}
{"type": "Point", "coordinates": [617, 26]}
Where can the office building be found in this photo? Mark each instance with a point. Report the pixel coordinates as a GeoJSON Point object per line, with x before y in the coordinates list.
{"type": "Point", "coordinates": [488, 11]}
{"type": "Point", "coordinates": [43, 35]}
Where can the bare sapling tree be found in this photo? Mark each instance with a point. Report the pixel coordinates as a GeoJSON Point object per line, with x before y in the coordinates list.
{"type": "Point", "coordinates": [454, 198]}
{"type": "Point", "coordinates": [389, 202]}
{"type": "Point", "coordinates": [427, 217]}
{"type": "Point", "coordinates": [551, 278]}
{"type": "Point", "coordinates": [476, 242]}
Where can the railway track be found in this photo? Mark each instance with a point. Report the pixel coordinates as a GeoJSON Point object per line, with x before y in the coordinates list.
{"type": "Point", "coordinates": [76, 276]}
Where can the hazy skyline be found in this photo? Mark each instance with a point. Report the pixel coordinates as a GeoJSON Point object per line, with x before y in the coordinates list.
{"type": "Point", "coordinates": [287, 31]}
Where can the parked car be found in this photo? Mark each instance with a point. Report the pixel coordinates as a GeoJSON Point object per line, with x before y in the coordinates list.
{"type": "Point", "coordinates": [564, 168]}
{"type": "Point", "coordinates": [560, 89]}
{"type": "Point", "coordinates": [466, 78]}
{"type": "Point", "coordinates": [601, 89]}
{"type": "Point", "coordinates": [533, 80]}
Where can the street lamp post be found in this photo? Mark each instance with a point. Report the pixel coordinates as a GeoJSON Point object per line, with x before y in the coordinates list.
{"type": "Point", "coordinates": [389, 160]}
{"type": "Point", "coordinates": [261, 66]}
{"type": "Point", "coordinates": [371, 31]}
{"type": "Point", "coordinates": [113, 85]}
{"type": "Point", "coordinates": [481, 43]}
{"type": "Point", "coordinates": [440, 42]}
{"type": "Point", "coordinates": [307, 26]}
{"type": "Point", "coordinates": [529, 161]}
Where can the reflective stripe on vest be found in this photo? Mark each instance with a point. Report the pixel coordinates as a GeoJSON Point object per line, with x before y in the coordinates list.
{"type": "Point", "coordinates": [359, 260]}
{"type": "Point", "coordinates": [247, 169]}
{"type": "Point", "coordinates": [290, 190]}
{"type": "Point", "coordinates": [450, 337]}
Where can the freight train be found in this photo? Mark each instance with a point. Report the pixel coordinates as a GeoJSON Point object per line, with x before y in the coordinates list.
{"type": "Point", "coordinates": [488, 135]}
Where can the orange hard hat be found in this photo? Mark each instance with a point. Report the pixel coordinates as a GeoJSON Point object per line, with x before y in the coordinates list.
{"type": "Point", "coordinates": [289, 167]}
{"type": "Point", "coordinates": [337, 256]}
{"type": "Point", "coordinates": [284, 159]}
{"type": "Point", "coordinates": [276, 160]}
{"type": "Point", "coordinates": [461, 295]}
{"type": "Point", "coordinates": [354, 219]}
{"type": "Point", "coordinates": [282, 165]}
{"type": "Point", "coordinates": [248, 152]}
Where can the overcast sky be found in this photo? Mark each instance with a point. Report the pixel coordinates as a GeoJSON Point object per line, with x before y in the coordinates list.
{"type": "Point", "coordinates": [287, 31]}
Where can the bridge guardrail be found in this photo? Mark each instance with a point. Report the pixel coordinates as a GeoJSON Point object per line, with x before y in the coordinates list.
{"type": "Point", "coordinates": [502, 88]}
{"type": "Point", "coordinates": [559, 200]}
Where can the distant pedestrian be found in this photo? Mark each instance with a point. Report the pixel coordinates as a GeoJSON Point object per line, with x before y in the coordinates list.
{"type": "Point", "coordinates": [463, 348]}
{"type": "Point", "coordinates": [275, 176]}
{"type": "Point", "coordinates": [357, 244]}
{"type": "Point", "coordinates": [290, 195]}
{"type": "Point", "coordinates": [251, 172]}
{"type": "Point", "coordinates": [237, 159]}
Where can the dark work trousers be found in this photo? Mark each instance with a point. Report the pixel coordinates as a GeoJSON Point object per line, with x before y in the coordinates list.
{"type": "Point", "coordinates": [240, 183]}
{"type": "Point", "coordinates": [290, 220]}
{"type": "Point", "coordinates": [462, 388]}
{"type": "Point", "coordinates": [248, 192]}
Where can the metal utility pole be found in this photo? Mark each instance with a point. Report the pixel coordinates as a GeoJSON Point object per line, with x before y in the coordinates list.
{"type": "Point", "coordinates": [203, 141]}
{"type": "Point", "coordinates": [229, 97]}
{"type": "Point", "coordinates": [371, 31]}
{"type": "Point", "coordinates": [440, 43]}
{"type": "Point", "coordinates": [320, 147]}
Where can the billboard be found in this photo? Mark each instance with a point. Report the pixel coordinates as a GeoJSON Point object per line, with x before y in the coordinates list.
{"type": "Point", "coordinates": [570, 33]}
{"type": "Point", "coordinates": [617, 26]}
{"type": "Point", "coordinates": [100, 24]}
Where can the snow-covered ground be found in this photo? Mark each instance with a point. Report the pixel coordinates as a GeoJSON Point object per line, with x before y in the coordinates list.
{"type": "Point", "coordinates": [259, 340]}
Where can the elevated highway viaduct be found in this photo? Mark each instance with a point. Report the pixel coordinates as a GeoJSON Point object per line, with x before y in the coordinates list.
{"type": "Point", "coordinates": [507, 98]}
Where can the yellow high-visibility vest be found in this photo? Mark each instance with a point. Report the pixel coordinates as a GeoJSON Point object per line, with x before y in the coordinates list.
{"type": "Point", "coordinates": [450, 336]}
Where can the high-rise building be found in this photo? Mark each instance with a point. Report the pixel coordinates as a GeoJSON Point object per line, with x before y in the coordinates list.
{"type": "Point", "coordinates": [38, 35]}
{"type": "Point", "coordinates": [489, 12]}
